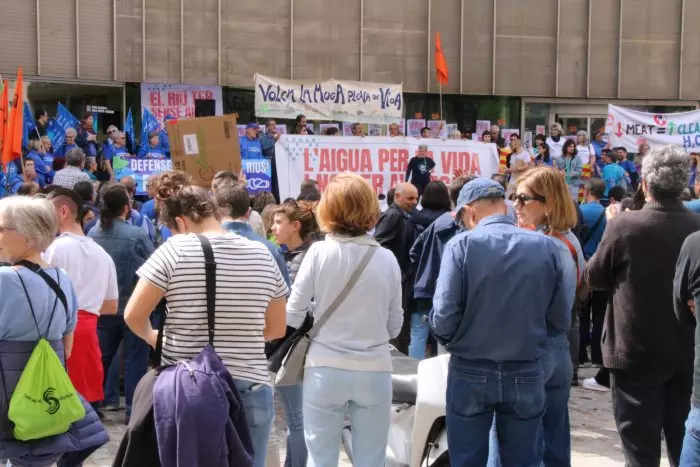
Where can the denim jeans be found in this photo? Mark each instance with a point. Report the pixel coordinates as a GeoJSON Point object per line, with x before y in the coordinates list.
{"type": "Point", "coordinates": [558, 371]}
{"type": "Point", "coordinates": [420, 329]}
{"type": "Point", "coordinates": [513, 392]}
{"type": "Point", "coordinates": [690, 456]}
{"type": "Point", "coordinates": [330, 393]}
{"type": "Point", "coordinates": [259, 412]}
{"type": "Point", "coordinates": [292, 404]}
{"type": "Point", "coordinates": [111, 330]}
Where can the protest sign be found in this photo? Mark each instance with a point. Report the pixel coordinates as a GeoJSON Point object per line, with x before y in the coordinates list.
{"type": "Point", "coordinates": [381, 160]}
{"type": "Point", "coordinates": [323, 127]}
{"type": "Point", "coordinates": [376, 129]}
{"type": "Point", "coordinates": [540, 130]}
{"type": "Point", "coordinates": [258, 175]}
{"type": "Point", "coordinates": [435, 130]}
{"type": "Point", "coordinates": [347, 128]}
{"type": "Point", "coordinates": [449, 128]}
{"type": "Point", "coordinates": [629, 128]}
{"type": "Point", "coordinates": [482, 126]}
{"type": "Point", "coordinates": [414, 127]}
{"type": "Point", "coordinates": [203, 146]}
{"type": "Point", "coordinates": [142, 169]}
{"type": "Point", "coordinates": [178, 100]}
{"type": "Point", "coordinates": [328, 100]}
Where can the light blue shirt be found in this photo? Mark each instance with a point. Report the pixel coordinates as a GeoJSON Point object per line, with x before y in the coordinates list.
{"type": "Point", "coordinates": [591, 213]}
{"type": "Point", "coordinates": [499, 290]}
{"type": "Point", "coordinates": [613, 175]}
{"type": "Point", "coordinates": [16, 322]}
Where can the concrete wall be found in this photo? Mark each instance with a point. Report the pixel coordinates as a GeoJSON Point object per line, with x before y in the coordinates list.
{"type": "Point", "coordinates": [631, 49]}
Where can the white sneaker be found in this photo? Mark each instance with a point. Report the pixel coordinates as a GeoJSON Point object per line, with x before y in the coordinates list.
{"type": "Point", "coordinates": [592, 385]}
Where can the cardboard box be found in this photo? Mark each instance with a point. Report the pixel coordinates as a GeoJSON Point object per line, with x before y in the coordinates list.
{"type": "Point", "coordinates": [203, 146]}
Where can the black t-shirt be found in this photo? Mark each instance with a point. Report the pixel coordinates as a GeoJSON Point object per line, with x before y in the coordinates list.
{"type": "Point", "coordinates": [418, 171]}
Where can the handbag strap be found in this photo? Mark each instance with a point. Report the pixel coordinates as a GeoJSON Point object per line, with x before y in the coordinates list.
{"type": "Point", "coordinates": [210, 275]}
{"type": "Point", "coordinates": [35, 268]}
{"type": "Point", "coordinates": [573, 251]}
{"type": "Point", "coordinates": [318, 324]}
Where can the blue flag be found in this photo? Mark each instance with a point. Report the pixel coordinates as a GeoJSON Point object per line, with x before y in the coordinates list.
{"type": "Point", "coordinates": [57, 126]}
{"type": "Point", "coordinates": [129, 132]}
{"type": "Point", "coordinates": [29, 130]}
{"type": "Point", "coordinates": [149, 123]}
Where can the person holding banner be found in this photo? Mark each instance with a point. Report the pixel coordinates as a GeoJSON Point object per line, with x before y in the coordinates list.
{"type": "Point", "coordinates": [153, 150]}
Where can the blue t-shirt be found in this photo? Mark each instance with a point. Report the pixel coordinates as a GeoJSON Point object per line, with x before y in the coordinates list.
{"type": "Point", "coordinates": [61, 152]}
{"type": "Point", "coordinates": [693, 206]}
{"type": "Point", "coordinates": [152, 153]}
{"type": "Point", "coordinates": [250, 148]}
{"type": "Point", "coordinates": [628, 165]}
{"type": "Point", "coordinates": [16, 326]}
{"type": "Point", "coordinates": [149, 209]}
{"type": "Point", "coordinates": [613, 175]}
{"type": "Point", "coordinates": [591, 213]}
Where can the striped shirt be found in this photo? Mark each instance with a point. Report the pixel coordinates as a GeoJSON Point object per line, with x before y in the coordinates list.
{"type": "Point", "coordinates": [247, 279]}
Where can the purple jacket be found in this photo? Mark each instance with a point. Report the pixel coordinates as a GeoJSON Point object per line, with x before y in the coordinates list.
{"type": "Point", "coordinates": [199, 415]}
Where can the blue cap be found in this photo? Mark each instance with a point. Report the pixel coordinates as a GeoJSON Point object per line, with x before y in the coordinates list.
{"type": "Point", "coordinates": [252, 125]}
{"type": "Point", "coordinates": [479, 189]}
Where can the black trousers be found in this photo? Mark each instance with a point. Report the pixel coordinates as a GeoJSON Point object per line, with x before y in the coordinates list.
{"type": "Point", "coordinates": [403, 340]}
{"type": "Point", "coordinates": [593, 314]}
{"type": "Point", "coordinates": [644, 404]}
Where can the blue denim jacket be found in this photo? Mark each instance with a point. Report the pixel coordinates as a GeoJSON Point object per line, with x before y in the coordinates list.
{"type": "Point", "coordinates": [129, 247]}
{"type": "Point", "coordinates": [499, 289]}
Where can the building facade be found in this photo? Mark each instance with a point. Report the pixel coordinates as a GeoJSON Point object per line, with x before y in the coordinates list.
{"type": "Point", "coordinates": [522, 63]}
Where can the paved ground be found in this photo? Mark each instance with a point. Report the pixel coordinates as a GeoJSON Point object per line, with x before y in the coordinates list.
{"type": "Point", "coordinates": [594, 439]}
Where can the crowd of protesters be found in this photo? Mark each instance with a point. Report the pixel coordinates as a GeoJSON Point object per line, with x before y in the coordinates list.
{"type": "Point", "coordinates": [573, 254]}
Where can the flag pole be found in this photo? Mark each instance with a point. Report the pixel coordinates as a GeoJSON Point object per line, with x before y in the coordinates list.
{"type": "Point", "coordinates": [440, 99]}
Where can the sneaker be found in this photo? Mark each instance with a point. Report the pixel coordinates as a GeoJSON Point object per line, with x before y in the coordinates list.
{"type": "Point", "coordinates": [592, 385]}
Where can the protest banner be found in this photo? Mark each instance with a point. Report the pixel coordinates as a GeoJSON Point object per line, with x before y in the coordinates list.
{"type": "Point", "coordinates": [323, 127]}
{"type": "Point", "coordinates": [449, 128]}
{"type": "Point", "coordinates": [482, 126]}
{"type": "Point", "coordinates": [415, 126]}
{"type": "Point", "coordinates": [328, 100]}
{"type": "Point", "coordinates": [258, 175]}
{"type": "Point", "coordinates": [381, 160]}
{"type": "Point", "coordinates": [178, 100]}
{"type": "Point", "coordinates": [629, 128]}
{"type": "Point", "coordinates": [435, 130]}
{"type": "Point", "coordinates": [347, 128]}
{"type": "Point", "coordinates": [540, 130]}
{"type": "Point", "coordinates": [141, 170]}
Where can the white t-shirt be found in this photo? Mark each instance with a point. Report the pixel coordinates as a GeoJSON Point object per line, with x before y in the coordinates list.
{"type": "Point", "coordinates": [556, 147]}
{"type": "Point", "coordinates": [584, 152]}
{"type": "Point", "coordinates": [524, 156]}
{"type": "Point", "coordinates": [90, 268]}
{"type": "Point", "coordinates": [247, 279]}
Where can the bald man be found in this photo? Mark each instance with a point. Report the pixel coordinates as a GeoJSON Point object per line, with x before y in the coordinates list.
{"type": "Point", "coordinates": [396, 232]}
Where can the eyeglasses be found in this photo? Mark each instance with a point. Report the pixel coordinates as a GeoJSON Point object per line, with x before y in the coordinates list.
{"type": "Point", "coordinates": [522, 198]}
{"type": "Point", "coordinates": [7, 229]}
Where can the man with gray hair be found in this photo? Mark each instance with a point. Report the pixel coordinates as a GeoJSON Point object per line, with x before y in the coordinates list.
{"type": "Point", "coordinates": [73, 173]}
{"type": "Point", "coordinates": [649, 352]}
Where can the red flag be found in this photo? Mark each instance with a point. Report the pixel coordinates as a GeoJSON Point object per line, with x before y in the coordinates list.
{"type": "Point", "coordinates": [4, 108]}
{"type": "Point", "coordinates": [12, 145]}
{"type": "Point", "coordinates": [440, 63]}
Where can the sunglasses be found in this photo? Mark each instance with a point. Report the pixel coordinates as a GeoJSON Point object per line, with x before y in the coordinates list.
{"type": "Point", "coordinates": [524, 199]}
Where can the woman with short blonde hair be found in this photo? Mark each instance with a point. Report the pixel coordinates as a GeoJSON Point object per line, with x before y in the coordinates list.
{"type": "Point", "coordinates": [542, 199]}
{"type": "Point", "coordinates": [348, 365]}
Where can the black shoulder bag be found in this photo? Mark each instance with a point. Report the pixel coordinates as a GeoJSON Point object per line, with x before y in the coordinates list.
{"type": "Point", "coordinates": [210, 274]}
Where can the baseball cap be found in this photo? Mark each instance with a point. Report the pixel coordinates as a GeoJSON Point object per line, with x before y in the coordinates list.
{"type": "Point", "coordinates": [252, 125]}
{"type": "Point", "coordinates": [477, 189]}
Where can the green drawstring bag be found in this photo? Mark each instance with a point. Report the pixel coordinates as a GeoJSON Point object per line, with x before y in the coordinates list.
{"type": "Point", "coordinates": [44, 402]}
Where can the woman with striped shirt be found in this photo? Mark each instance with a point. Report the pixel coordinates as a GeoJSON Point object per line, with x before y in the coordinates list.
{"type": "Point", "coordinates": [250, 299]}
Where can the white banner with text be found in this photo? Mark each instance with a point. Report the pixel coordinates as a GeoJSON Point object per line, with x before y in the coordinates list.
{"type": "Point", "coordinates": [629, 128]}
{"type": "Point", "coordinates": [381, 160]}
{"type": "Point", "coordinates": [343, 101]}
